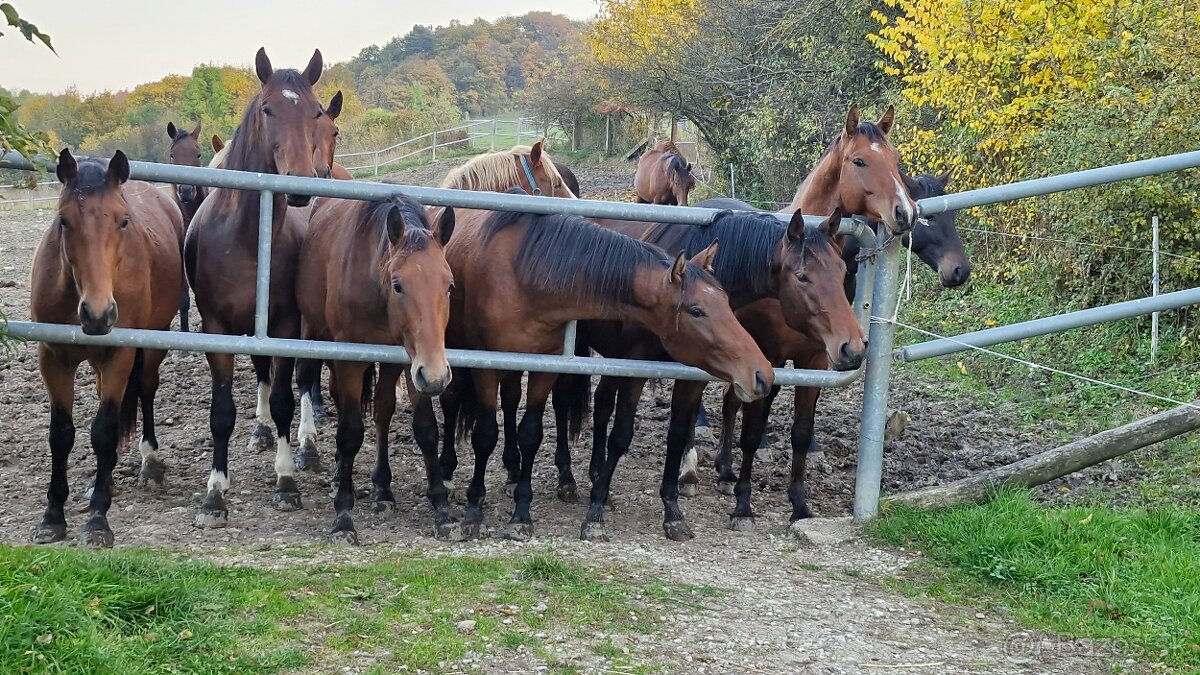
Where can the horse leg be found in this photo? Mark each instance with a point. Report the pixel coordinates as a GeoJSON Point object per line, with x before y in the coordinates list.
{"type": "Point", "coordinates": [308, 381]}
{"type": "Point", "coordinates": [529, 438]}
{"type": "Point", "coordinates": [153, 469]}
{"type": "Point", "coordinates": [425, 430]}
{"type": "Point", "coordinates": [510, 401]}
{"type": "Point", "coordinates": [450, 401]}
{"type": "Point", "coordinates": [320, 416]}
{"type": "Point", "coordinates": [113, 376]}
{"type": "Point", "coordinates": [385, 409]}
{"type": "Point", "coordinates": [802, 432]}
{"type": "Point", "coordinates": [283, 411]}
{"type": "Point", "coordinates": [185, 304]}
{"type": "Point", "coordinates": [483, 441]}
{"type": "Point", "coordinates": [59, 377]}
{"type": "Point", "coordinates": [567, 489]}
{"type": "Point", "coordinates": [347, 391]}
{"type": "Point", "coordinates": [730, 405]}
{"type": "Point", "coordinates": [689, 473]}
{"type": "Point", "coordinates": [628, 396]}
{"type": "Point", "coordinates": [684, 400]}
{"type": "Point", "coordinates": [260, 438]}
{"type": "Point", "coordinates": [754, 422]}
{"type": "Point", "coordinates": [222, 414]}
{"type": "Point", "coordinates": [602, 409]}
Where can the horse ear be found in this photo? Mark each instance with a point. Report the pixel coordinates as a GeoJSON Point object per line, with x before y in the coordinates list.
{"type": "Point", "coordinates": [67, 168]}
{"type": "Point", "coordinates": [335, 106]}
{"type": "Point", "coordinates": [535, 154]}
{"type": "Point", "coordinates": [313, 70]}
{"type": "Point", "coordinates": [118, 168]}
{"type": "Point", "coordinates": [171, 130]}
{"type": "Point", "coordinates": [395, 226]}
{"type": "Point", "coordinates": [677, 269]}
{"type": "Point", "coordinates": [795, 230]}
{"type": "Point", "coordinates": [852, 121]}
{"type": "Point", "coordinates": [689, 167]}
{"type": "Point", "coordinates": [217, 143]}
{"type": "Point", "coordinates": [262, 65]}
{"type": "Point", "coordinates": [444, 227]}
{"type": "Point", "coordinates": [831, 224]}
{"type": "Point", "coordinates": [706, 257]}
{"type": "Point", "coordinates": [889, 118]}
{"type": "Point", "coordinates": [196, 131]}
{"type": "Point", "coordinates": [944, 179]}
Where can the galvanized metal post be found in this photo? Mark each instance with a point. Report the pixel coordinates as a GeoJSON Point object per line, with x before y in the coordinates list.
{"type": "Point", "coordinates": [1154, 292]}
{"type": "Point", "coordinates": [518, 141]}
{"type": "Point", "coordinates": [569, 338]}
{"type": "Point", "coordinates": [493, 135]}
{"type": "Point", "coordinates": [433, 145]}
{"type": "Point", "coordinates": [864, 284]}
{"type": "Point", "coordinates": [262, 289]}
{"type": "Point", "coordinates": [879, 370]}
{"type": "Point", "coordinates": [376, 155]}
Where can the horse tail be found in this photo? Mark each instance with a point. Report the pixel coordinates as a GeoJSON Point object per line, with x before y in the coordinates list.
{"type": "Point", "coordinates": [368, 389]}
{"type": "Point", "coordinates": [127, 416]}
{"type": "Point", "coordinates": [468, 407]}
{"type": "Point", "coordinates": [573, 396]}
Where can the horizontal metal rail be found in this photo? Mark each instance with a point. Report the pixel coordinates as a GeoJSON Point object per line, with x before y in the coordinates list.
{"type": "Point", "coordinates": [346, 351]}
{"type": "Point", "coordinates": [1060, 183]}
{"type": "Point", "coordinates": [1047, 325]}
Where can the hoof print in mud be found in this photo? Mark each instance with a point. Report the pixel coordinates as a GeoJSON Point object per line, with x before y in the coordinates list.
{"type": "Point", "coordinates": [677, 530]}
{"type": "Point", "coordinates": [593, 532]}
{"type": "Point", "coordinates": [48, 534]}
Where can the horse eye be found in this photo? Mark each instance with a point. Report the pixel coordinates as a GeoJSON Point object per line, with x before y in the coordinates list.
{"type": "Point", "coordinates": [858, 161]}
{"type": "Point", "coordinates": [802, 278]}
{"type": "Point", "coordinates": [62, 222]}
{"type": "Point", "coordinates": [319, 113]}
{"type": "Point", "coordinates": [267, 111]}
{"type": "Point", "coordinates": [451, 288]}
{"type": "Point", "coordinates": [695, 311]}
{"type": "Point", "coordinates": [397, 287]}
{"type": "Point", "coordinates": [124, 222]}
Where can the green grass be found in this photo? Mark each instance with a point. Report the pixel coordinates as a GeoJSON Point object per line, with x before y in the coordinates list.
{"type": "Point", "coordinates": [1127, 575]}
{"type": "Point", "coordinates": [131, 611]}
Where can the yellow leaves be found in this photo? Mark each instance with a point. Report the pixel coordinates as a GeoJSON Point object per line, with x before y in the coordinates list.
{"type": "Point", "coordinates": [630, 33]}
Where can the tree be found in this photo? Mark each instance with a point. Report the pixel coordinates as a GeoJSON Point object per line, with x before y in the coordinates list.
{"type": "Point", "coordinates": [14, 136]}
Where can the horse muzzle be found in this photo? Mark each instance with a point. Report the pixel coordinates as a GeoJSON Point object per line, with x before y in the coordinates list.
{"type": "Point", "coordinates": [97, 322]}
{"type": "Point", "coordinates": [430, 383]}
{"type": "Point", "coordinates": [299, 201]}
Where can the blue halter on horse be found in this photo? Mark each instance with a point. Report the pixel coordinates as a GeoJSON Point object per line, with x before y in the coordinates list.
{"type": "Point", "coordinates": [529, 174]}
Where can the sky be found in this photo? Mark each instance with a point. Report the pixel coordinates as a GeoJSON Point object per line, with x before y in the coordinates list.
{"type": "Point", "coordinates": [117, 44]}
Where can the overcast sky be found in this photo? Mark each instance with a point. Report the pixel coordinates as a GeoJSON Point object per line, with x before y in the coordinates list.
{"type": "Point", "coordinates": [116, 44]}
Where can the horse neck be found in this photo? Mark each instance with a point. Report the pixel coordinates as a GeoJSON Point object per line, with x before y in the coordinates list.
{"type": "Point", "coordinates": [818, 193]}
{"type": "Point", "coordinates": [245, 202]}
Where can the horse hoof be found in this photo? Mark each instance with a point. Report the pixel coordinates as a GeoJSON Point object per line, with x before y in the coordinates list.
{"type": "Point", "coordinates": [320, 417]}
{"type": "Point", "coordinates": [96, 538]}
{"type": "Point", "coordinates": [471, 531]}
{"type": "Point", "coordinates": [48, 534]}
{"type": "Point", "coordinates": [689, 489]}
{"type": "Point", "coordinates": [385, 506]}
{"type": "Point", "coordinates": [593, 532]}
{"type": "Point", "coordinates": [344, 537]}
{"type": "Point", "coordinates": [213, 512]}
{"type": "Point", "coordinates": [261, 439]}
{"type": "Point", "coordinates": [518, 532]}
{"type": "Point", "coordinates": [741, 523]}
{"type": "Point", "coordinates": [568, 493]}
{"type": "Point", "coordinates": [308, 458]}
{"type": "Point", "coordinates": [286, 501]}
{"type": "Point", "coordinates": [725, 487]}
{"type": "Point", "coordinates": [153, 473]}
{"type": "Point", "coordinates": [451, 532]}
{"type": "Point", "coordinates": [510, 489]}
{"type": "Point", "coordinates": [677, 530]}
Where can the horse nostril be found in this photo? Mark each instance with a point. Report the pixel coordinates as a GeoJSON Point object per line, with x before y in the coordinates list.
{"type": "Point", "coordinates": [760, 383]}
{"type": "Point", "coordinates": [419, 377]}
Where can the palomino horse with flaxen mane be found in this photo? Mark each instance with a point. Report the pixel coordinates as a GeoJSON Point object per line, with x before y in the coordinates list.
{"type": "Point", "coordinates": [112, 258]}
{"type": "Point", "coordinates": [375, 273]}
{"type": "Point", "coordinates": [185, 151]}
{"type": "Point", "coordinates": [521, 278]}
{"type": "Point", "coordinates": [663, 176]}
{"type": "Point", "coordinates": [279, 134]}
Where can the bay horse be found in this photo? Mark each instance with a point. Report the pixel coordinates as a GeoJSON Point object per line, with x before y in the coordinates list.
{"type": "Point", "coordinates": [663, 176]}
{"type": "Point", "coordinates": [569, 178]}
{"type": "Point", "coordinates": [520, 278]}
{"type": "Point", "coordinates": [278, 134]}
{"type": "Point", "coordinates": [794, 265]}
{"type": "Point", "coordinates": [185, 151]}
{"type": "Point", "coordinates": [112, 258]}
{"type": "Point", "coordinates": [527, 167]}
{"type": "Point", "coordinates": [375, 272]}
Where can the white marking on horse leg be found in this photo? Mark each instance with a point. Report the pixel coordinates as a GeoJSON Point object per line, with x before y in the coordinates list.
{"type": "Point", "coordinates": [262, 412]}
{"type": "Point", "coordinates": [218, 480]}
{"type": "Point", "coordinates": [148, 451]}
{"type": "Point", "coordinates": [691, 463]}
{"type": "Point", "coordinates": [284, 465]}
{"type": "Point", "coordinates": [308, 424]}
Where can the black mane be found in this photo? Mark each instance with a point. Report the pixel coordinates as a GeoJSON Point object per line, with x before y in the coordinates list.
{"type": "Point", "coordinates": [677, 165]}
{"type": "Point", "coordinates": [925, 185]}
{"type": "Point", "coordinates": [91, 177]}
{"type": "Point", "coordinates": [570, 255]}
{"type": "Point", "coordinates": [373, 217]}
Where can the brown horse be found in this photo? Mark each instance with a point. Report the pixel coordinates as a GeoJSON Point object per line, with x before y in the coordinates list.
{"type": "Point", "coordinates": [327, 134]}
{"type": "Point", "coordinates": [569, 178]}
{"type": "Point", "coordinates": [185, 151]}
{"type": "Point", "coordinates": [111, 258]}
{"type": "Point", "coordinates": [794, 265]}
{"type": "Point", "coordinates": [278, 134]}
{"type": "Point", "coordinates": [521, 278]}
{"type": "Point", "coordinates": [376, 273]}
{"type": "Point", "coordinates": [663, 176]}
{"type": "Point", "coordinates": [527, 167]}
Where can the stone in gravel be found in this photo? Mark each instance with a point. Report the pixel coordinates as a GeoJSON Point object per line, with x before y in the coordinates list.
{"type": "Point", "coordinates": [466, 627]}
{"type": "Point", "coordinates": [823, 531]}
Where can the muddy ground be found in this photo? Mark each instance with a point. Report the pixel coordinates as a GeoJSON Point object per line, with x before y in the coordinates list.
{"type": "Point", "coordinates": [788, 612]}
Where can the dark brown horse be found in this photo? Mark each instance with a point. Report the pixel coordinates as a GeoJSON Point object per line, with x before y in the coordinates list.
{"type": "Point", "coordinates": [569, 178]}
{"type": "Point", "coordinates": [521, 278]}
{"type": "Point", "coordinates": [761, 258]}
{"type": "Point", "coordinates": [278, 134]}
{"type": "Point", "coordinates": [112, 258]}
{"type": "Point", "coordinates": [663, 176]}
{"type": "Point", "coordinates": [185, 151]}
{"type": "Point", "coordinates": [375, 273]}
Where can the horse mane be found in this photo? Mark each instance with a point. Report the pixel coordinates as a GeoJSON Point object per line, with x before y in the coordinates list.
{"type": "Point", "coordinates": [677, 164]}
{"type": "Point", "coordinates": [564, 254]}
{"type": "Point", "coordinates": [495, 171]}
{"type": "Point", "coordinates": [667, 146]}
{"type": "Point", "coordinates": [372, 219]}
{"type": "Point", "coordinates": [91, 178]}
{"type": "Point", "coordinates": [925, 185]}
